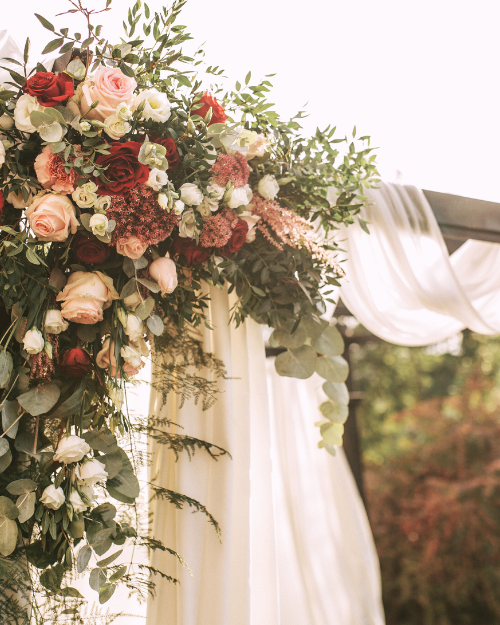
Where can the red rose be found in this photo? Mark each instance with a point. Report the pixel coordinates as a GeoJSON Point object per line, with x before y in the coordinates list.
{"type": "Point", "coordinates": [237, 239]}
{"type": "Point", "coordinates": [208, 101]}
{"type": "Point", "coordinates": [49, 89]}
{"type": "Point", "coordinates": [75, 363]}
{"type": "Point", "coordinates": [172, 155]}
{"type": "Point", "coordinates": [2, 200]}
{"type": "Point", "coordinates": [89, 249]}
{"type": "Point", "coordinates": [193, 253]}
{"type": "Point", "coordinates": [123, 168]}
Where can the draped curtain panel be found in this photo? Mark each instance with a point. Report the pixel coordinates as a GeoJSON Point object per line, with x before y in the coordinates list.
{"type": "Point", "coordinates": [401, 283]}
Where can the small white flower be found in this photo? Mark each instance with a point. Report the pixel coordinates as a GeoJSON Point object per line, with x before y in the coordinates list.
{"type": "Point", "coordinates": [98, 223]}
{"type": "Point", "coordinates": [33, 341]}
{"type": "Point", "coordinates": [268, 187]}
{"type": "Point", "coordinates": [24, 107]}
{"type": "Point", "coordinates": [103, 203]}
{"type": "Point", "coordinates": [123, 112]}
{"type": "Point", "coordinates": [191, 194]}
{"type": "Point", "coordinates": [187, 225]}
{"type": "Point", "coordinates": [71, 449]}
{"type": "Point", "coordinates": [53, 497]}
{"type": "Point", "coordinates": [215, 192]}
{"type": "Point", "coordinates": [251, 221]}
{"type": "Point", "coordinates": [134, 328]}
{"type": "Point", "coordinates": [178, 207]}
{"type": "Point", "coordinates": [54, 322]}
{"type": "Point", "coordinates": [85, 126]}
{"type": "Point", "coordinates": [86, 195]}
{"type": "Point", "coordinates": [157, 106]}
{"type": "Point", "coordinates": [157, 179]}
{"type": "Point", "coordinates": [76, 501]}
{"type": "Point", "coordinates": [6, 122]}
{"type": "Point", "coordinates": [163, 200]}
{"type": "Point", "coordinates": [91, 472]}
{"type": "Point", "coordinates": [239, 197]}
{"type": "Point", "coordinates": [115, 127]}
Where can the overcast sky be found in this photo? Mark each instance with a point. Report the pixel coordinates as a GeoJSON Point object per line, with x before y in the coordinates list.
{"type": "Point", "coordinates": [420, 77]}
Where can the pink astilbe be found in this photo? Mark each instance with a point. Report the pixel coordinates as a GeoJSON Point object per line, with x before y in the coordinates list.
{"type": "Point", "coordinates": [290, 229]}
{"type": "Point", "coordinates": [138, 214]}
{"type": "Point", "coordinates": [229, 168]}
{"type": "Point", "coordinates": [216, 231]}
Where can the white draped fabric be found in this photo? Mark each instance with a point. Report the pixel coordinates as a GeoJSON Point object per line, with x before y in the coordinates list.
{"type": "Point", "coordinates": [297, 548]}
{"type": "Point", "coordinates": [402, 285]}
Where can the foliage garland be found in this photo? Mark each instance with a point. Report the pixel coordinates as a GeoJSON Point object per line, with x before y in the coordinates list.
{"type": "Point", "coordinates": [125, 189]}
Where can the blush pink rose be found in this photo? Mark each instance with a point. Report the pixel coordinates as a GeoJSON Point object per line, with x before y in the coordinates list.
{"type": "Point", "coordinates": [133, 247]}
{"type": "Point", "coordinates": [111, 87]}
{"type": "Point", "coordinates": [85, 296]}
{"type": "Point", "coordinates": [51, 217]}
{"type": "Point", "coordinates": [163, 271]}
{"type": "Point", "coordinates": [106, 359]}
{"type": "Point", "coordinates": [51, 172]}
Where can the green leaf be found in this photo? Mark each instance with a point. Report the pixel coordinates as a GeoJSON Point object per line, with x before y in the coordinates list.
{"type": "Point", "coordinates": [72, 405]}
{"type": "Point", "coordinates": [70, 592]}
{"type": "Point", "coordinates": [52, 578]}
{"type": "Point", "coordinates": [140, 263]}
{"type": "Point", "coordinates": [40, 399]}
{"type": "Point", "coordinates": [106, 512]}
{"type": "Point", "coordinates": [4, 446]}
{"type": "Point", "coordinates": [8, 536]}
{"type": "Point", "coordinates": [332, 369]}
{"type": "Point", "coordinates": [125, 483]}
{"type": "Point", "coordinates": [106, 592]}
{"type": "Point", "coordinates": [53, 45]}
{"type": "Point", "coordinates": [145, 308]}
{"type": "Point", "coordinates": [87, 333]}
{"type": "Point", "coordinates": [21, 487]}
{"type": "Point", "coordinates": [329, 343]}
{"type": "Point", "coordinates": [32, 257]}
{"type": "Point", "coordinates": [26, 506]}
{"type": "Point", "coordinates": [113, 462]}
{"type": "Point", "coordinates": [127, 70]}
{"type": "Point", "coordinates": [45, 23]}
{"type": "Point", "coordinates": [296, 363]}
{"type": "Point", "coordinates": [8, 509]}
{"type": "Point", "coordinates": [336, 413]}
{"type": "Point", "coordinates": [155, 324]}
{"type": "Point", "coordinates": [9, 417]}
{"type": "Point", "coordinates": [5, 461]}
{"type": "Point", "coordinates": [83, 558]}
{"type": "Point", "coordinates": [314, 328]}
{"type": "Point", "coordinates": [118, 574]}
{"type": "Point", "coordinates": [6, 366]}
{"type": "Point", "coordinates": [283, 336]}
{"type": "Point", "coordinates": [109, 559]}
{"type": "Point", "coordinates": [101, 440]}
{"type": "Point", "coordinates": [332, 433]}
{"type": "Point", "coordinates": [129, 289]}
{"type": "Point", "coordinates": [338, 393]}
{"type": "Point", "coordinates": [152, 286]}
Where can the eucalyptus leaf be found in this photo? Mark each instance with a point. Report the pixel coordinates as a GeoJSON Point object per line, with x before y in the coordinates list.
{"type": "Point", "coordinates": [152, 286]}
{"type": "Point", "coordinates": [21, 487]}
{"type": "Point", "coordinates": [25, 442]}
{"type": "Point", "coordinates": [125, 483]}
{"type": "Point", "coordinates": [40, 399]}
{"type": "Point", "coordinates": [113, 462]}
{"type": "Point", "coordinates": [118, 574]}
{"type": "Point", "coordinates": [8, 508]}
{"type": "Point", "coordinates": [8, 536]}
{"type": "Point", "coordinates": [101, 440]}
{"type": "Point", "coordinates": [107, 561]}
{"type": "Point", "coordinates": [314, 328]}
{"type": "Point", "coordinates": [52, 133]}
{"type": "Point", "coordinates": [285, 338]}
{"type": "Point", "coordinates": [87, 333]}
{"type": "Point", "coordinates": [336, 413]}
{"type": "Point", "coordinates": [106, 512]}
{"type": "Point", "coordinates": [332, 369]}
{"type": "Point", "coordinates": [26, 506]}
{"type": "Point", "coordinates": [38, 118]}
{"type": "Point", "coordinates": [145, 308]}
{"type": "Point", "coordinates": [332, 433]}
{"type": "Point", "coordinates": [85, 221]}
{"type": "Point", "coordinates": [4, 447]}
{"type": "Point", "coordinates": [107, 590]}
{"type": "Point", "coordinates": [297, 363]}
{"type": "Point", "coordinates": [96, 579]}
{"type": "Point", "coordinates": [83, 558]}
{"type": "Point", "coordinates": [338, 393]}
{"type": "Point", "coordinates": [140, 263]}
{"type": "Point", "coordinates": [70, 592]}
{"type": "Point", "coordinates": [330, 342]}
{"type": "Point", "coordinates": [128, 267]}
{"type": "Point", "coordinates": [129, 289]}
{"type": "Point", "coordinates": [72, 405]}
{"type": "Point", "coordinates": [155, 324]}
{"type": "Point", "coordinates": [6, 366]}
{"type": "Point", "coordinates": [5, 461]}
{"type": "Point", "coordinates": [9, 417]}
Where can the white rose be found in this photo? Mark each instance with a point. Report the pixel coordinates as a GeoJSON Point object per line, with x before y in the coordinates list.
{"type": "Point", "coordinates": [178, 207]}
{"type": "Point", "coordinates": [331, 196]}
{"type": "Point", "coordinates": [54, 322]}
{"type": "Point", "coordinates": [268, 187]}
{"type": "Point", "coordinates": [134, 328]}
{"type": "Point", "coordinates": [98, 223]}
{"type": "Point", "coordinates": [71, 449]}
{"type": "Point", "coordinates": [157, 179]}
{"type": "Point", "coordinates": [2, 153]}
{"type": "Point", "coordinates": [215, 192]}
{"type": "Point", "coordinates": [190, 194]}
{"type": "Point", "coordinates": [24, 107]}
{"type": "Point", "coordinates": [86, 195]}
{"type": "Point", "coordinates": [33, 341]}
{"type": "Point", "coordinates": [76, 501]}
{"type": "Point", "coordinates": [187, 224]}
{"type": "Point", "coordinates": [239, 197]}
{"type": "Point", "coordinates": [103, 203]}
{"type": "Point", "coordinates": [157, 105]}
{"type": "Point", "coordinates": [91, 472]}
{"type": "Point", "coordinates": [123, 112]}
{"type": "Point", "coordinates": [53, 497]}
{"type": "Point", "coordinates": [115, 127]}
{"type": "Point", "coordinates": [207, 207]}
{"type": "Point", "coordinates": [6, 122]}
{"type": "Point", "coordinates": [251, 221]}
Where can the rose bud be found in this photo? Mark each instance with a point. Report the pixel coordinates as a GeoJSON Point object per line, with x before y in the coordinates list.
{"type": "Point", "coordinates": [75, 363]}
{"type": "Point", "coordinates": [163, 271]}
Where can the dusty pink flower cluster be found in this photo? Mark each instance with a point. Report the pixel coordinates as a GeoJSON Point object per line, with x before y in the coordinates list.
{"type": "Point", "coordinates": [51, 172]}
{"type": "Point", "coordinates": [139, 215]}
{"type": "Point", "coordinates": [229, 168]}
{"type": "Point", "coordinates": [216, 231]}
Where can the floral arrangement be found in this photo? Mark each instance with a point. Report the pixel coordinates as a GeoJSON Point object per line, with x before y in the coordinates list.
{"type": "Point", "coordinates": [125, 187]}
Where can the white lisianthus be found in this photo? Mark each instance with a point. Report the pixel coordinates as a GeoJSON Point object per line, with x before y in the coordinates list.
{"type": "Point", "coordinates": [187, 225]}
{"type": "Point", "coordinates": [115, 127]}
{"type": "Point", "coordinates": [178, 207]}
{"type": "Point", "coordinates": [157, 106]}
{"type": "Point", "coordinates": [33, 341]}
{"type": "Point", "coordinates": [162, 200]}
{"type": "Point", "coordinates": [6, 122]}
{"type": "Point", "coordinates": [191, 194]}
{"type": "Point", "coordinates": [134, 328]}
{"type": "Point", "coordinates": [240, 197]}
{"type": "Point", "coordinates": [103, 203]}
{"type": "Point", "coordinates": [123, 112]}
{"type": "Point", "coordinates": [157, 179]}
{"type": "Point", "coordinates": [54, 322]}
{"type": "Point", "coordinates": [53, 497]}
{"type": "Point", "coordinates": [86, 195]}
{"type": "Point", "coordinates": [76, 501]}
{"type": "Point", "coordinates": [268, 187]}
{"type": "Point", "coordinates": [251, 221]}
{"type": "Point", "coordinates": [98, 223]}
{"type": "Point", "coordinates": [91, 472]}
{"type": "Point", "coordinates": [85, 126]}
{"type": "Point", "coordinates": [71, 449]}
{"type": "Point", "coordinates": [215, 192]}
{"type": "Point", "coordinates": [24, 107]}
{"type": "Point", "coordinates": [2, 153]}
{"type": "Point", "coordinates": [331, 196]}
{"type": "Point", "coordinates": [207, 207]}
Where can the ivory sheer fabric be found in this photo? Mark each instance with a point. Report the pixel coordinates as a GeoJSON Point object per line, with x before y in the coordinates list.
{"type": "Point", "coordinates": [401, 283]}
{"type": "Point", "coordinates": [297, 548]}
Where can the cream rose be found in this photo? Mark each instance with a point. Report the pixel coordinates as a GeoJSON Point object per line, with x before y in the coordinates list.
{"type": "Point", "coordinates": [51, 217]}
{"type": "Point", "coordinates": [115, 127]}
{"type": "Point", "coordinates": [91, 472]}
{"type": "Point", "coordinates": [71, 449]}
{"type": "Point", "coordinates": [191, 194]}
{"type": "Point", "coordinates": [33, 341]}
{"type": "Point", "coordinates": [106, 359]}
{"type": "Point", "coordinates": [187, 224]}
{"type": "Point", "coordinates": [24, 107]}
{"type": "Point", "coordinates": [204, 208]}
{"type": "Point", "coordinates": [157, 179]}
{"type": "Point", "coordinates": [54, 322]}
{"type": "Point", "coordinates": [86, 195]}
{"type": "Point", "coordinates": [112, 88]}
{"type": "Point", "coordinates": [53, 497]}
{"type": "Point", "coordinates": [215, 192]}
{"type": "Point", "coordinates": [85, 296]}
{"type": "Point", "coordinates": [98, 223]}
{"type": "Point", "coordinates": [163, 271]}
{"type": "Point", "coordinates": [240, 197]}
{"type": "Point", "coordinates": [157, 106]}
{"type": "Point", "coordinates": [6, 122]}
{"type": "Point", "coordinates": [134, 328]}
{"type": "Point", "coordinates": [178, 207]}
{"type": "Point", "coordinates": [268, 187]}
{"type": "Point", "coordinates": [251, 221]}
{"type": "Point", "coordinates": [76, 501]}
{"type": "Point", "coordinates": [103, 203]}
{"type": "Point", "coordinates": [132, 247]}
